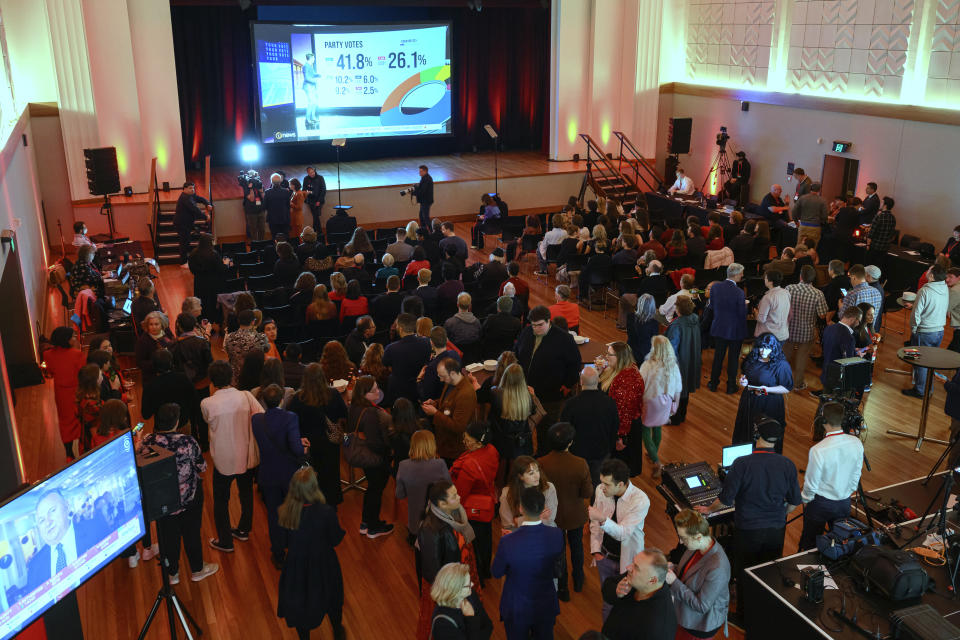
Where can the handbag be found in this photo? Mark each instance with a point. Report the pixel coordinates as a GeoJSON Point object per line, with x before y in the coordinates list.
{"type": "Point", "coordinates": [357, 452]}
{"type": "Point", "coordinates": [253, 451]}
{"type": "Point", "coordinates": [538, 413]}
{"type": "Point", "coordinates": [334, 431]}
{"type": "Point", "coordinates": [480, 507]}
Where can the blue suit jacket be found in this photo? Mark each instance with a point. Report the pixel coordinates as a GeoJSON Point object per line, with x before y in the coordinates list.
{"type": "Point", "coordinates": [729, 311]}
{"type": "Point", "coordinates": [527, 558]}
{"type": "Point", "coordinates": [838, 342]}
{"type": "Point", "coordinates": [278, 436]}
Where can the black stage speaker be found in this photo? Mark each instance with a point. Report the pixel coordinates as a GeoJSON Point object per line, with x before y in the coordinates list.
{"type": "Point", "coordinates": [103, 177]}
{"type": "Point", "coordinates": [680, 129]}
{"type": "Point", "coordinates": [159, 483]}
{"type": "Point", "coordinates": [848, 374]}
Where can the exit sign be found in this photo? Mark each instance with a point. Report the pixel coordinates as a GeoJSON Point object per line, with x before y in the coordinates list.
{"type": "Point", "coordinates": [841, 147]}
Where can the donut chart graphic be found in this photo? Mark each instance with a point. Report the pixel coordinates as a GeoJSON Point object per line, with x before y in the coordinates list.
{"type": "Point", "coordinates": [391, 114]}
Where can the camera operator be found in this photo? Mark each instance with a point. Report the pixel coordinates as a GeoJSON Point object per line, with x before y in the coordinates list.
{"type": "Point", "coordinates": [183, 523]}
{"type": "Point", "coordinates": [763, 487]}
{"type": "Point", "coordinates": [316, 188]}
{"type": "Point", "coordinates": [424, 195]}
{"type": "Point", "coordinates": [833, 473]}
{"type": "Point", "coordinates": [253, 212]}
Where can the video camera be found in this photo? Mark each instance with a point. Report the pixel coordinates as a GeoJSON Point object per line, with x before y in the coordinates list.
{"type": "Point", "coordinates": [409, 190]}
{"type": "Point", "coordinates": [722, 137]}
{"type": "Point", "coordinates": [249, 180]}
{"type": "Point", "coordinates": [853, 423]}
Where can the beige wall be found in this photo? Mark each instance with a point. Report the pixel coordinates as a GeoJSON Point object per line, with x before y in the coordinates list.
{"type": "Point", "coordinates": [913, 162]}
{"type": "Point", "coordinates": [20, 210]}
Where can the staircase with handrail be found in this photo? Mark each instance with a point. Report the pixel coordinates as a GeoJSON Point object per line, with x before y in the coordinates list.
{"type": "Point", "coordinates": [643, 169]}
{"type": "Point", "coordinates": [166, 246]}
{"type": "Point", "coordinates": [605, 178]}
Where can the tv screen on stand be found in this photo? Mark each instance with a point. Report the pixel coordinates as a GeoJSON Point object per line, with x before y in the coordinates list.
{"type": "Point", "coordinates": [322, 82]}
{"type": "Point", "coordinates": [60, 531]}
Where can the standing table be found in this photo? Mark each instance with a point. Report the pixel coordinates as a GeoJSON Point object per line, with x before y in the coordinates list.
{"type": "Point", "coordinates": [931, 359]}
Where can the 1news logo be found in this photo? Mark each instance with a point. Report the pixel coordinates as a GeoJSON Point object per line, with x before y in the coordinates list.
{"type": "Point", "coordinates": [284, 135]}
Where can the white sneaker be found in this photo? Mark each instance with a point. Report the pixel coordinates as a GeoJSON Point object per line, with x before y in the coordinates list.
{"type": "Point", "coordinates": [150, 552]}
{"type": "Point", "coordinates": [175, 578]}
{"type": "Point", "coordinates": [209, 568]}
{"type": "Point", "coordinates": [185, 265]}
{"type": "Point", "coordinates": [134, 560]}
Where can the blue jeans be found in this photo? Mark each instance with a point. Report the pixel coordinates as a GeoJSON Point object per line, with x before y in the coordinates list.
{"type": "Point", "coordinates": [924, 339]}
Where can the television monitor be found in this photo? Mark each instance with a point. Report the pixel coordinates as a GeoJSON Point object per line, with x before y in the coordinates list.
{"type": "Point", "coordinates": [323, 82]}
{"type": "Point", "coordinates": [732, 453]}
{"type": "Point", "coordinates": [57, 533]}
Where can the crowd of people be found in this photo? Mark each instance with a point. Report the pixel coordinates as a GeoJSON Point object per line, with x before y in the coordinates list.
{"type": "Point", "coordinates": [544, 445]}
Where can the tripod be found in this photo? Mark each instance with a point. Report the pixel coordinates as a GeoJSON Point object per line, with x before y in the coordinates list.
{"type": "Point", "coordinates": [175, 608]}
{"type": "Point", "coordinates": [720, 164]}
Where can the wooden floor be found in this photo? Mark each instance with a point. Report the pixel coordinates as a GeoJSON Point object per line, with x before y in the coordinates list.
{"type": "Point", "coordinates": [381, 596]}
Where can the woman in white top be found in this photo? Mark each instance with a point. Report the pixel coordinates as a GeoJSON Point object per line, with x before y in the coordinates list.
{"type": "Point", "coordinates": [662, 386]}
{"type": "Point", "coordinates": [525, 473]}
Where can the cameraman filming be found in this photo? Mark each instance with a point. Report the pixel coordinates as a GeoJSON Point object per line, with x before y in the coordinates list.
{"type": "Point", "coordinates": [424, 195]}
{"type": "Point", "coordinates": [253, 212]}
{"type": "Point", "coordinates": [833, 473]}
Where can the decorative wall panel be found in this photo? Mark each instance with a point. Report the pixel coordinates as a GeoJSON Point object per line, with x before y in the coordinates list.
{"type": "Point", "coordinates": [729, 42]}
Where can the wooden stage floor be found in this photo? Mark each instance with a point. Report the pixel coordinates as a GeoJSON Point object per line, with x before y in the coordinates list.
{"type": "Point", "coordinates": [367, 174]}
{"type": "Point", "coordinates": [379, 575]}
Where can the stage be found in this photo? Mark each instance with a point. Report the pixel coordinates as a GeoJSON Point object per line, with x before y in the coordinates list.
{"type": "Point", "coordinates": [528, 182]}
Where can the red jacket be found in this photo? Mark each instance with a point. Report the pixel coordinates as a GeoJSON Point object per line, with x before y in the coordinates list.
{"type": "Point", "coordinates": [474, 472]}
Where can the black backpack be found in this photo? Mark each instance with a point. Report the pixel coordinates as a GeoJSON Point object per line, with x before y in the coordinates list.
{"type": "Point", "coordinates": [898, 575]}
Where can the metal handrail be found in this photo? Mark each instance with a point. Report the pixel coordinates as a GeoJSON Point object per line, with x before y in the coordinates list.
{"type": "Point", "coordinates": [636, 160]}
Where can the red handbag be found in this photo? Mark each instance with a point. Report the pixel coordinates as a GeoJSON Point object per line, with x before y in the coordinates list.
{"type": "Point", "coordinates": [480, 507]}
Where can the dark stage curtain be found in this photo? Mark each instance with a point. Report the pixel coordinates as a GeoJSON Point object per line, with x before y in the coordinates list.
{"type": "Point", "coordinates": [215, 82]}
{"type": "Point", "coordinates": [501, 68]}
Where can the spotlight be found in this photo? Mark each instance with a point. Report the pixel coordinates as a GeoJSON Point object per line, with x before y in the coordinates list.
{"type": "Point", "coordinates": [128, 191]}
{"type": "Point", "coordinates": [249, 153]}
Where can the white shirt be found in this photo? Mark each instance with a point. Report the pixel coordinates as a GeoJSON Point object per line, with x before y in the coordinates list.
{"type": "Point", "coordinates": [683, 185]}
{"type": "Point", "coordinates": [228, 412]}
{"type": "Point", "coordinates": [632, 508]}
{"type": "Point", "coordinates": [833, 467]}
{"type": "Point", "coordinates": [669, 308]}
{"type": "Point", "coordinates": [69, 542]}
{"type": "Point", "coordinates": [554, 236]}
{"type": "Point", "coordinates": [773, 312]}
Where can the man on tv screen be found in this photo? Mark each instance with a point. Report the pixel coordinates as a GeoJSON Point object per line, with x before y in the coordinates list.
{"type": "Point", "coordinates": [64, 540]}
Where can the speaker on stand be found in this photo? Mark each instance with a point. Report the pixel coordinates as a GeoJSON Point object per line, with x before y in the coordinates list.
{"type": "Point", "coordinates": [103, 179]}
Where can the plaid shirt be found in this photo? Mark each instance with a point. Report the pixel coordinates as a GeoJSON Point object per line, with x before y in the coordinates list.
{"type": "Point", "coordinates": [807, 303]}
{"type": "Point", "coordinates": [863, 292]}
{"type": "Point", "coordinates": [882, 231]}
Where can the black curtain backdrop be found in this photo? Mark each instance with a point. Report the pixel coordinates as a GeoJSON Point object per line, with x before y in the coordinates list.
{"type": "Point", "coordinates": [501, 66]}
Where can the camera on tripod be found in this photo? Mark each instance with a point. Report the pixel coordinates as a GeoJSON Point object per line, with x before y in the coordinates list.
{"type": "Point", "coordinates": [853, 423]}
{"type": "Point", "coordinates": [250, 180]}
{"type": "Point", "coordinates": [409, 190]}
{"type": "Point", "coordinates": [722, 137]}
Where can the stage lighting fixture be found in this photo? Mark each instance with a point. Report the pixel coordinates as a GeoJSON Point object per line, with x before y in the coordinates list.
{"type": "Point", "coordinates": [128, 191]}
{"type": "Point", "coordinates": [249, 153]}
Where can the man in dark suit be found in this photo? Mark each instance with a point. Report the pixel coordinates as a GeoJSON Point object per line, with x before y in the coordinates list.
{"type": "Point", "coordinates": [424, 194]}
{"type": "Point", "coordinates": [316, 188]}
{"type": "Point", "coordinates": [594, 417]}
{"type": "Point", "coordinates": [359, 339]}
{"type": "Point", "coordinates": [528, 558]}
{"type": "Point", "coordinates": [656, 284]}
{"type": "Point", "coordinates": [186, 214]}
{"type": "Point", "coordinates": [281, 450]}
{"type": "Point", "coordinates": [729, 326]}
{"type": "Point", "coordinates": [405, 357]}
{"type": "Point", "coordinates": [276, 202]}
{"type": "Point", "coordinates": [64, 539]}
{"type": "Point", "coordinates": [340, 224]}
{"type": "Point", "coordinates": [551, 360]}
{"type": "Point", "coordinates": [871, 204]}
{"type": "Point", "coordinates": [838, 340]}
{"type": "Point", "coordinates": [500, 329]}
{"type": "Point", "coordinates": [386, 308]}
{"type": "Point", "coordinates": [428, 293]}
{"type": "Point", "coordinates": [429, 384]}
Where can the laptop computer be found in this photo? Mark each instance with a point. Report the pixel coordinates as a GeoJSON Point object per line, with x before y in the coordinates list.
{"type": "Point", "coordinates": [733, 452]}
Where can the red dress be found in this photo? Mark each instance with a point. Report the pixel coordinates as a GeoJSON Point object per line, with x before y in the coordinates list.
{"type": "Point", "coordinates": [627, 391]}
{"type": "Point", "coordinates": [65, 365]}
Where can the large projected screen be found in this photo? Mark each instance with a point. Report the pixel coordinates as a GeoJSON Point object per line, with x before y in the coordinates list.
{"type": "Point", "coordinates": [321, 82]}
{"type": "Point", "coordinates": [61, 531]}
